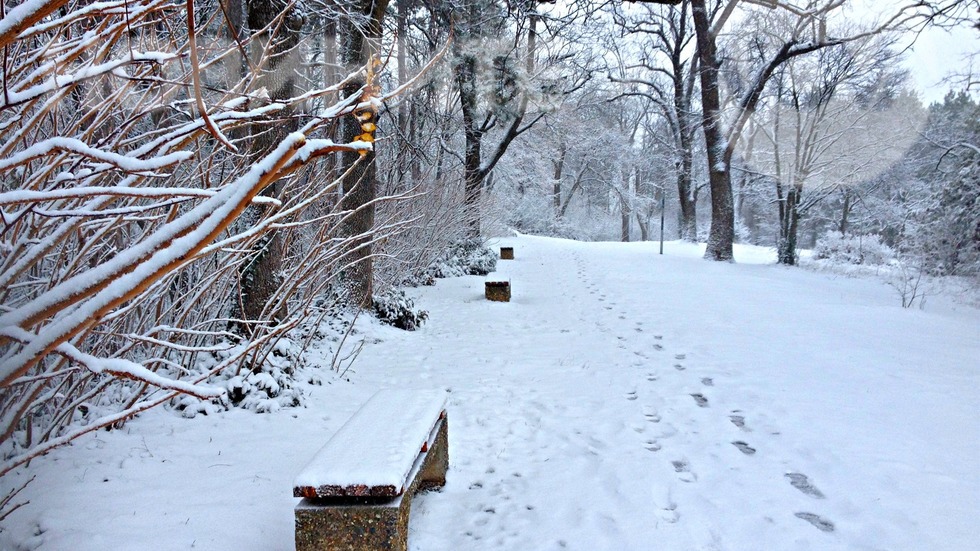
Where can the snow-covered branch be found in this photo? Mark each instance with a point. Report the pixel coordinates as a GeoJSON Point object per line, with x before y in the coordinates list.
{"type": "Point", "coordinates": [126, 229]}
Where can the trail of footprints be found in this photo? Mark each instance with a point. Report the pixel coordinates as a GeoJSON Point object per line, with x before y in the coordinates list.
{"type": "Point", "coordinates": [682, 466]}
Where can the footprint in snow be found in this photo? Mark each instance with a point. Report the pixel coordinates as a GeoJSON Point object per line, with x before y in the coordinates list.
{"type": "Point", "coordinates": [700, 400]}
{"type": "Point", "coordinates": [707, 381]}
{"type": "Point", "coordinates": [821, 523]}
{"type": "Point", "coordinates": [651, 415]}
{"type": "Point", "coordinates": [631, 396]}
{"type": "Point", "coordinates": [669, 513]}
{"type": "Point", "coordinates": [802, 483]}
{"type": "Point", "coordinates": [680, 356]}
{"type": "Point", "coordinates": [659, 337]}
{"type": "Point", "coordinates": [658, 347]}
{"type": "Point", "coordinates": [651, 377]}
{"type": "Point", "coordinates": [683, 470]}
{"type": "Point", "coordinates": [679, 367]}
{"type": "Point", "coordinates": [652, 446]}
{"type": "Point", "coordinates": [744, 447]}
{"type": "Point", "coordinates": [738, 420]}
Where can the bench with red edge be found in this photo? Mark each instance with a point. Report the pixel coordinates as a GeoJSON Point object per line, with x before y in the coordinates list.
{"type": "Point", "coordinates": [357, 490]}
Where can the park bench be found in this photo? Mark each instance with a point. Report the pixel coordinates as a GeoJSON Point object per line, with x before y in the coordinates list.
{"type": "Point", "coordinates": [358, 489]}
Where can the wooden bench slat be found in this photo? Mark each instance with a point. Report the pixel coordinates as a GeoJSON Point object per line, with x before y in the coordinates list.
{"type": "Point", "coordinates": [373, 453]}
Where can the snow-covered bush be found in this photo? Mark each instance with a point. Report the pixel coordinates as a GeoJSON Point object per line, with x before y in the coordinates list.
{"type": "Point", "coordinates": [267, 387]}
{"type": "Point", "coordinates": [853, 249]}
{"type": "Point", "coordinates": [467, 257]}
{"type": "Point", "coordinates": [398, 310]}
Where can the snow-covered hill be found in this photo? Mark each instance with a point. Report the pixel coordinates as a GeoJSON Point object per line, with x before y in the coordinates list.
{"type": "Point", "coordinates": [623, 400]}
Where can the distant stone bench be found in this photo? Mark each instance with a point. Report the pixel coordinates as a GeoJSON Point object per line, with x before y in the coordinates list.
{"type": "Point", "coordinates": [497, 288]}
{"type": "Point", "coordinates": [358, 489]}
{"type": "Point", "coordinates": [507, 253]}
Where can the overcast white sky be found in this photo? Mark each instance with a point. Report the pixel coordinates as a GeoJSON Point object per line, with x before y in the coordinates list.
{"type": "Point", "coordinates": [936, 54]}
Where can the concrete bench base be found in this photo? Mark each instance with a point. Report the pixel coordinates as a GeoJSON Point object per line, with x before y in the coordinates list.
{"type": "Point", "coordinates": [498, 291]}
{"type": "Point", "coordinates": [375, 524]}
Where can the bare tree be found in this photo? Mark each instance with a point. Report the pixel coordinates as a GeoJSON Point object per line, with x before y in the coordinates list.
{"type": "Point", "coordinates": [828, 125]}
{"type": "Point", "coordinates": [509, 99]}
{"type": "Point", "coordinates": [808, 33]}
{"type": "Point", "coordinates": [666, 74]}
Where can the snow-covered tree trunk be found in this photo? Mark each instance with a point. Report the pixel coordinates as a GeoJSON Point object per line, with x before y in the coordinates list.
{"type": "Point", "coordinates": [559, 165]}
{"type": "Point", "coordinates": [360, 37]}
{"type": "Point", "coordinates": [722, 232]}
{"type": "Point", "coordinates": [275, 28]}
{"type": "Point", "coordinates": [473, 175]}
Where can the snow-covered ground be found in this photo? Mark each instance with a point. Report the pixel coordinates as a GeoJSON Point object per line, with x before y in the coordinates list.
{"type": "Point", "coordinates": [623, 400]}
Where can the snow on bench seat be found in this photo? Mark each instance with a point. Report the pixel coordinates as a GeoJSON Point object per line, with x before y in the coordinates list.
{"type": "Point", "coordinates": [375, 452]}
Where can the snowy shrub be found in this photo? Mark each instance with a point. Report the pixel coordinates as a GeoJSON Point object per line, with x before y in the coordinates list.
{"type": "Point", "coordinates": [398, 310]}
{"type": "Point", "coordinates": [269, 386]}
{"type": "Point", "coordinates": [467, 257]}
{"type": "Point", "coordinates": [480, 259]}
{"type": "Point", "coordinates": [192, 406]}
{"type": "Point", "coordinates": [860, 249]}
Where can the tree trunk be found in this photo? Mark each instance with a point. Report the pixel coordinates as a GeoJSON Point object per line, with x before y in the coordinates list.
{"type": "Point", "coordinates": [688, 215]}
{"type": "Point", "coordinates": [687, 194]}
{"type": "Point", "coordinates": [644, 225]}
{"type": "Point", "coordinates": [404, 136]}
{"type": "Point", "coordinates": [358, 44]}
{"type": "Point", "coordinates": [789, 225]}
{"type": "Point", "coordinates": [722, 234]}
{"type": "Point", "coordinates": [474, 172]}
{"type": "Point", "coordinates": [556, 190]}
{"type": "Point", "coordinates": [624, 212]}
{"type": "Point", "coordinates": [260, 277]}
{"type": "Point", "coordinates": [473, 137]}
{"type": "Point", "coordinates": [234, 67]}
{"type": "Point", "coordinates": [331, 75]}
{"type": "Point", "coordinates": [845, 214]}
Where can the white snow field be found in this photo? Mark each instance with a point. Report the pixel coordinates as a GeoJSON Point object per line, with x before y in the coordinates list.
{"type": "Point", "coordinates": [621, 401]}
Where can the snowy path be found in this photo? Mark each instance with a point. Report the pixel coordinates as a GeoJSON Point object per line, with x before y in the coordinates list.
{"type": "Point", "coordinates": [622, 400]}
